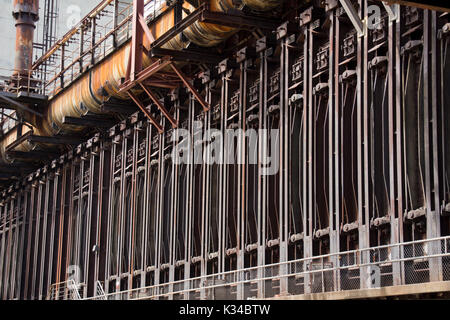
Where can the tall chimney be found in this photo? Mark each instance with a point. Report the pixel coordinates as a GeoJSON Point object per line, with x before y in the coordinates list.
{"type": "Point", "coordinates": [25, 13]}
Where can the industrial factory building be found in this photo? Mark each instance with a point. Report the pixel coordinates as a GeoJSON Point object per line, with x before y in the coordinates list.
{"type": "Point", "coordinates": [226, 149]}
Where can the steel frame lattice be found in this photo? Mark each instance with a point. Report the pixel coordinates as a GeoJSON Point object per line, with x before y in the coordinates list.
{"type": "Point", "coordinates": [364, 176]}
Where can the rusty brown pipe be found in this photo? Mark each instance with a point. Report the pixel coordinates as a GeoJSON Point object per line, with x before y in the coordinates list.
{"type": "Point", "coordinates": [103, 81]}
{"type": "Point", "coordinates": [25, 13]}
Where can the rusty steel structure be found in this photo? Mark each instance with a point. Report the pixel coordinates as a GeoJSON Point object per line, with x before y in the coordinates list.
{"type": "Point", "coordinates": [26, 13]}
{"type": "Point", "coordinates": [430, 5]}
{"type": "Point", "coordinates": [94, 205]}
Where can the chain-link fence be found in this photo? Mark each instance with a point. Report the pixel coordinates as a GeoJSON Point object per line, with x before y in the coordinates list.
{"type": "Point", "coordinates": [385, 266]}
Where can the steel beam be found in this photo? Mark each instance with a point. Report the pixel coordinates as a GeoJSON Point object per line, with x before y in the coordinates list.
{"type": "Point", "coordinates": [160, 106]}
{"type": "Point", "coordinates": [88, 122]}
{"type": "Point", "coordinates": [191, 88]}
{"type": "Point", "coordinates": [146, 112]}
{"type": "Point", "coordinates": [186, 55]}
{"type": "Point", "coordinates": [240, 21]}
{"type": "Point", "coordinates": [137, 39]}
{"type": "Point", "coordinates": [54, 140]}
{"type": "Point", "coordinates": [354, 17]}
{"type": "Point", "coordinates": [430, 5]}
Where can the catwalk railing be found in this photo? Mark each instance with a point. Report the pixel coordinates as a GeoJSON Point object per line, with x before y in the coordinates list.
{"type": "Point", "coordinates": [325, 274]}
{"type": "Point", "coordinates": [100, 33]}
{"type": "Point", "coordinates": [361, 127]}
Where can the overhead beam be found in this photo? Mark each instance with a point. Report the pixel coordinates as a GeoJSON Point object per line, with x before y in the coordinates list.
{"type": "Point", "coordinates": [17, 166]}
{"type": "Point", "coordinates": [146, 112]}
{"type": "Point", "coordinates": [145, 74]}
{"type": "Point", "coordinates": [31, 155]}
{"type": "Point", "coordinates": [137, 39]}
{"type": "Point", "coordinates": [10, 169]}
{"type": "Point", "coordinates": [231, 19]}
{"type": "Point", "coordinates": [191, 88]}
{"type": "Point", "coordinates": [430, 5]}
{"type": "Point", "coordinates": [16, 105]}
{"type": "Point", "coordinates": [179, 27]}
{"type": "Point", "coordinates": [187, 55]}
{"type": "Point", "coordinates": [118, 108]}
{"type": "Point", "coordinates": [239, 20]}
{"type": "Point", "coordinates": [54, 140]}
{"type": "Point", "coordinates": [88, 122]}
{"type": "Point", "coordinates": [6, 176]}
{"type": "Point", "coordinates": [26, 97]}
{"type": "Point", "coordinates": [164, 84]}
{"type": "Point", "coordinates": [18, 141]}
{"type": "Point", "coordinates": [146, 30]}
{"type": "Point", "coordinates": [353, 16]}
{"type": "Point", "coordinates": [160, 106]}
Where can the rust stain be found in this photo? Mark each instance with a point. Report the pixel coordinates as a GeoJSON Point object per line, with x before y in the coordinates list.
{"type": "Point", "coordinates": [102, 82]}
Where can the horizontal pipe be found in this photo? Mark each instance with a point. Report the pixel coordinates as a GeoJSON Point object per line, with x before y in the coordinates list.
{"type": "Point", "coordinates": [101, 83]}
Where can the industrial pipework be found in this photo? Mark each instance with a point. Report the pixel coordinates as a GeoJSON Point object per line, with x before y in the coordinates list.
{"type": "Point", "coordinates": [26, 14]}
{"type": "Point", "coordinates": [101, 83]}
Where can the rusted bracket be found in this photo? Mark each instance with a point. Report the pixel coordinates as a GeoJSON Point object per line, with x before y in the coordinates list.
{"type": "Point", "coordinates": [55, 140]}
{"type": "Point", "coordinates": [392, 10]}
{"type": "Point", "coordinates": [88, 121]}
{"type": "Point", "coordinates": [160, 84]}
{"type": "Point", "coordinates": [135, 76]}
{"type": "Point", "coordinates": [32, 155]}
{"type": "Point", "coordinates": [160, 106]}
{"type": "Point", "coordinates": [205, 15]}
{"type": "Point", "coordinates": [240, 20]}
{"type": "Point", "coordinates": [146, 112]}
{"type": "Point", "coordinates": [205, 105]}
{"type": "Point", "coordinates": [18, 141]}
{"type": "Point", "coordinates": [187, 55]}
{"type": "Point", "coordinates": [180, 26]}
{"type": "Point", "coordinates": [145, 74]}
{"type": "Point", "coordinates": [146, 30]}
{"type": "Point", "coordinates": [440, 6]}
{"type": "Point", "coordinates": [16, 105]}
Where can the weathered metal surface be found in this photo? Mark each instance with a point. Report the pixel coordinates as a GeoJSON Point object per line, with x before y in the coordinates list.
{"type": "Point", "coordinates": [87, 94]}
{"type": "Point", "coordinates": [25, 13]}
{"type": "Point", "coordinates": [363, 139]}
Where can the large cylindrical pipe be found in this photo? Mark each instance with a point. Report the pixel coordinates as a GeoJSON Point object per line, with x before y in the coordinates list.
{"type": "Point", "coordinates": [208, 34]}
{"type": "Point", "coordinates": [103, 81]}
{"type": "Point", "coordinates": [25, 13]}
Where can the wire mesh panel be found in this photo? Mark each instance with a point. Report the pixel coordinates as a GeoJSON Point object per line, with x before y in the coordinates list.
{"type": "Point", "coordinates": [321, 275]}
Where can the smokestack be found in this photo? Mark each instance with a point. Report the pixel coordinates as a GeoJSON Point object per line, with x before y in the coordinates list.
{"type": "Point", "coordinates": [25, 13]}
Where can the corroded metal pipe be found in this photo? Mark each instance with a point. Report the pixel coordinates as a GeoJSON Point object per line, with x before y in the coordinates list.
{"type": "Point", "coordinates": [102, 82]}
{"type": "Point", "coordinates": [208, 34]}
{"type": "Point", "coordinates": [25, 13]}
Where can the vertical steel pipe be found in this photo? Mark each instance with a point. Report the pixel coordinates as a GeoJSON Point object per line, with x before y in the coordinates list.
{"type": "Point", "coordinates": [26, 14]}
